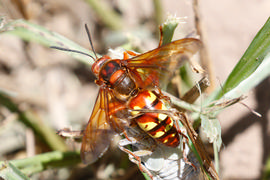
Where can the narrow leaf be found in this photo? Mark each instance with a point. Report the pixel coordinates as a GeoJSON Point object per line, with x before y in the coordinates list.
{"type": "Point", "coordinates": [249, 62]}
{"type": "Point", "coordinates": [10, 172]}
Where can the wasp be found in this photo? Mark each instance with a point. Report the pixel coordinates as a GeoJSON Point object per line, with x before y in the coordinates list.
{"type": "Point", "coordinates": [130, 97]}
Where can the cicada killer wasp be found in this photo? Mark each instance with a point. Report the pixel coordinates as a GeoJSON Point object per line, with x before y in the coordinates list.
{"type": "Point", "coordinates": [130, 97]}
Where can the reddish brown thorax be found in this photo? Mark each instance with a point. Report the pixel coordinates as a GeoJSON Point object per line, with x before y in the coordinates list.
{"type": "Point", "coordinates": [112, 74]}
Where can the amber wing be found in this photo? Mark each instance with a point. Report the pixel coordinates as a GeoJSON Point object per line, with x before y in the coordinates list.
{"type": "Point", "coordinates": [98, 133]}
{"type": "Point", "coordinates": [155, 68]}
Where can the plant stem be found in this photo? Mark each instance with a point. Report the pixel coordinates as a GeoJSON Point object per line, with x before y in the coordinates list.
{"type": "Point", "coordinates": [106, 14]}
{"type": "Point", "coordinates": [168, 29]}
{"type": "Point", "coordinates": [158, 12]}
{"type": "Point", "coordinates": [45, 161]}
{"type": "Point", "coordinates": [266, 173]}
{"type": "Point", "coordinates": [216, 156]}
{"type": "Point", "coordinates": [204, 52]}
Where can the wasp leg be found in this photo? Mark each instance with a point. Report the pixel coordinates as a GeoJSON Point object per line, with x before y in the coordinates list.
{"type": "Point", "coordinates": [161, 36]}
{"type": "Point", "coordinates": [184, 144]}
{"type": "Point", "coordinates": [67, 133]}
{"type": "Point", "coordinates": [127, 53]}
{"type": "Point", "coordinates": [160, 95]}
{"type": "Point", "coordinates": [126, 136]}
{"type": "Point", "coordinates": [136, 160]}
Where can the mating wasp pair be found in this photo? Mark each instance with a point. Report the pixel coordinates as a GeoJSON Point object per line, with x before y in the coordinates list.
{"type": "Point", "coordinates": [131, 103]}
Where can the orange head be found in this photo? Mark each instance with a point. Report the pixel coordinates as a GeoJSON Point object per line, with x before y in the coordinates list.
{"type": "Point", "coordinates": [97, 66]}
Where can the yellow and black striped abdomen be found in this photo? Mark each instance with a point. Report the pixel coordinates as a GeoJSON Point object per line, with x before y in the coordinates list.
{"type": "Point", "coordinates": [159, 126]}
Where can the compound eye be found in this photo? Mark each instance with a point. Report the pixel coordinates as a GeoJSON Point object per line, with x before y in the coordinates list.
{"type": "Point", "coordinates": [99, 63]}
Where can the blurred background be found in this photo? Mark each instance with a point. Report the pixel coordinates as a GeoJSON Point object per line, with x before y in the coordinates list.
{"type": "Point", "coordinates": [60, 91]}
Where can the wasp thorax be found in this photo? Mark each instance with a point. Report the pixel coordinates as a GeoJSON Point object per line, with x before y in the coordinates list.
{"type": "Point", "coordinates": [124, 87]}
{"type": "Point", "coordinates": [117, 78]}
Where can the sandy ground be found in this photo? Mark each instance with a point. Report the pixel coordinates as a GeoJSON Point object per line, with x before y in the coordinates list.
{"type": "Point", "coordinates": [66, 98]}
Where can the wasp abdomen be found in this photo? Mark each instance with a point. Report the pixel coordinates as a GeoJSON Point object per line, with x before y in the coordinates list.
{"type": "Point", "coordinates": [159, 126]}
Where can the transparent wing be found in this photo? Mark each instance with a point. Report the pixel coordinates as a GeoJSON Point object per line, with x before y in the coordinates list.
{"type": "Point", "coordinates": [98, 133]}
{"type": "Point", "coordinates": [155, 68]}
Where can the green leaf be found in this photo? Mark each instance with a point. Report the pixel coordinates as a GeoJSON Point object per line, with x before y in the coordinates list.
{"type": "Point", "coordinates": [10, 172]}
{"type": "Point", "coordinates": [249, 62]}
{"type": "Point", "coordinates": [252, 81]}
{"type": "Point", "coordinates": [45, 161]}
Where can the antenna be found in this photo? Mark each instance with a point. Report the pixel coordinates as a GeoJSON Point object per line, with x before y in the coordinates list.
{"type": "Point", "coordinates": [75, 51]}
{"type": "Point", "coordinates": [90, 39]}
{"type": "Point", "coordinates": [71, 50]}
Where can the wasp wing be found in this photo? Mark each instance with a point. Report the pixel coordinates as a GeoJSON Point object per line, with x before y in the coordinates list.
{"type": "Point", "coordinates": [155, 68]}
{"type": "Point", "coordinates": [98, 133]}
